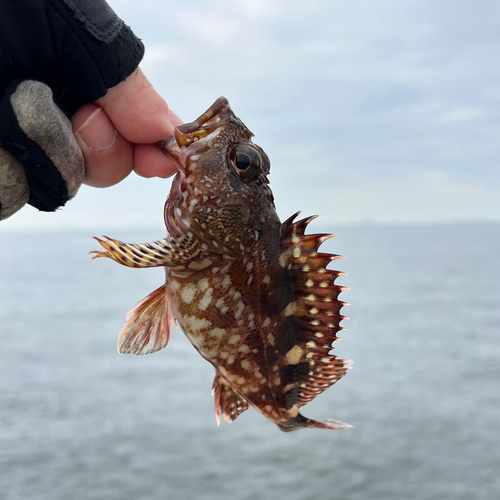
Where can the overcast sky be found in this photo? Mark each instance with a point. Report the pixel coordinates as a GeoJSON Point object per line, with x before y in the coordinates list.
{"type": "Point", "coordinates": [381, 112]}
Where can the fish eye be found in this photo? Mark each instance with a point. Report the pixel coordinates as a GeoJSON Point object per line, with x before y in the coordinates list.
{"type": "Point", "coordinates": [243, 162]}
{"type": "Point", "coordinates": [247, 161]}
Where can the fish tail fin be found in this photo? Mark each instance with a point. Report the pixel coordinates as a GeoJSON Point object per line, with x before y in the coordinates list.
{"type": "Point", "coordinates": [301, 422]}
{"type": "Point", "coordinates": [148, 325]}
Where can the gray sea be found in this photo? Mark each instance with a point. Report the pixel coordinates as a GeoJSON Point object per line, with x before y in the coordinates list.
{"type": "Point", "coordinates": [79, 421]}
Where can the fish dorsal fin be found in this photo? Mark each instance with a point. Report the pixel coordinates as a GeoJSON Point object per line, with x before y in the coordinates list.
{"type": "Point", "coordinates": [316, 309]}
{"type": "Point", "coordinates": [231, 404]}
{"type": "Point", "coordinates": [148, 325]}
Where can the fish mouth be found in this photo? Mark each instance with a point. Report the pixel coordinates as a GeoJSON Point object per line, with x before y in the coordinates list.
{"type": "Point", "coordinates": [187, 134]}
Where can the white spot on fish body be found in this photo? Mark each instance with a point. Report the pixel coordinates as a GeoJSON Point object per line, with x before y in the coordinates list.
{"type": "Point", "coordinates": [234, 339]}
{"type": "Point", "coordinates": [283, 259]}
{"type": "Point", "coordinates": [244, 348]}
{"type": "Point", "coordinates": [217, 333]}
{"type": "Point", "coordinates": [239, 310]}
{"type": "Point", "coordinates": [293, 411]}
{"type": "Point", "coordinates": [245, 364]}
{"type": "Point", "coordinates": [197, 340]}
{"type": "Point", "coordinates": [271, 340]}
{"type": "Point", "coordinates": [290, 309]}
{"type": "Point", "coordinates": [267, 280]}
{"type": "Point", "coordinates": [294, 355]}
{"type": "Point", "coordinates": [206, 300]}
{"type": "Point", "coordinates": [210, 354]}
{"type": "Point", "coordinates": [203, 284]}
{"type": "Point", "coordinates": [266, 322]}
{"type": "Point", "coordinates": [174, 285]}
{"type": "Point", "coordinates": [188, 293]}
{"type": "Point", "coordinates": [197, 323]}
{"type": "Point", "coordinates": [226, 282]}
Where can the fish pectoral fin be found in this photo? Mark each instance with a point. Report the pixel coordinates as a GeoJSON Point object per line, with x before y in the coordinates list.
{"type": "Point", "coordinates": [148, 325]}
{"type": "Point", "coordinates": [231, 404]}
{"type": "Point", "coordinates": [167, 252]}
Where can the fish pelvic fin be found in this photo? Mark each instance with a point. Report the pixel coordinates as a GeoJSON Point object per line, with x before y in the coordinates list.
{"type": "Point", "coordinates": [167, 252]}
{"type": "Point", "coordinates": [227, 401]}
{"type": "Point", "coordinates": [301, 422]}
{"type": "Point", "coordinates": [148, 325]}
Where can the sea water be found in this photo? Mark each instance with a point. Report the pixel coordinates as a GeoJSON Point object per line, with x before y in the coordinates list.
{"type": "Point", "coordinates": [79, 421]}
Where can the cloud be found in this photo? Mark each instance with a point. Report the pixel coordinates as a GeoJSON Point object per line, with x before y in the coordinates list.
{"type": "Point", "coordinates": [389, 109]}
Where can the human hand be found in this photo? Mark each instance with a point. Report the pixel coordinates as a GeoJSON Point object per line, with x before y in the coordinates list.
{"type": "Point", "coordinates": [118, 133]}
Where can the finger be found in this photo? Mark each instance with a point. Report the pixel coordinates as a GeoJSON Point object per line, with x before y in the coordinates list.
{"type": "Point", "coordinates": [149, 161]}
{"type": "Point", "coordinates": [109, 157]}
{"type": "Point", "coordinates": [139, 113]}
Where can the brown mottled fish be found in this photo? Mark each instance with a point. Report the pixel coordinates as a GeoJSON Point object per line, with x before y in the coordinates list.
{"type": "Point", "coordinates": [254, 296]}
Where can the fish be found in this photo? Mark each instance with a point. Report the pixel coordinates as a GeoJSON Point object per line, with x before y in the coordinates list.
{"type": "Point", "coordinates": [253, 295]}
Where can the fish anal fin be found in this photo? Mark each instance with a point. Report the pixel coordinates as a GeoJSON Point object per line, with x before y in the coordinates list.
{"type": "Point", "coordinates": [167, 252]}
{"type": "Point", "coordinates": [227, 401]}
{"type": "Point", "coordinates": [148, 325]}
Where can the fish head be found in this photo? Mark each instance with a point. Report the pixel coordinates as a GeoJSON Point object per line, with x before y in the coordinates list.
{"type": "Point", "coordinates": [221, 191]}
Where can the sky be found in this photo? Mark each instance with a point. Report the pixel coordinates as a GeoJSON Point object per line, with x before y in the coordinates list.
{"type": "Point", "coordinates": [371, 112]}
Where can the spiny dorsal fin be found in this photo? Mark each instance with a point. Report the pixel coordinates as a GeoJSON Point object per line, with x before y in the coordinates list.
{"type": "Point", "coordinates": [148, 325]}
{"type": "Point", "coordinates": [316, 309]}
{"type": "Point", "coordinates": [226, 400]}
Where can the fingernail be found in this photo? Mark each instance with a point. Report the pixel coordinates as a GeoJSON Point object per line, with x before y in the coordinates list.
{"type": "Point", "coordinates": [98, 132]}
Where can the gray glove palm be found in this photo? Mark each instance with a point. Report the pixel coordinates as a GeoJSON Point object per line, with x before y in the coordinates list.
{"type": "Point", "coordinates": [40, 160]}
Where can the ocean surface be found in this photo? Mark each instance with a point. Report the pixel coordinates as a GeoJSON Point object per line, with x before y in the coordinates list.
{"type": "Point", "coordinates": [79, 421]}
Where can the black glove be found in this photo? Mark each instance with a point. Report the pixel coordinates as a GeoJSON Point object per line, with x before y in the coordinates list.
{"type": "Point", "coordinates": [55, 56]}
